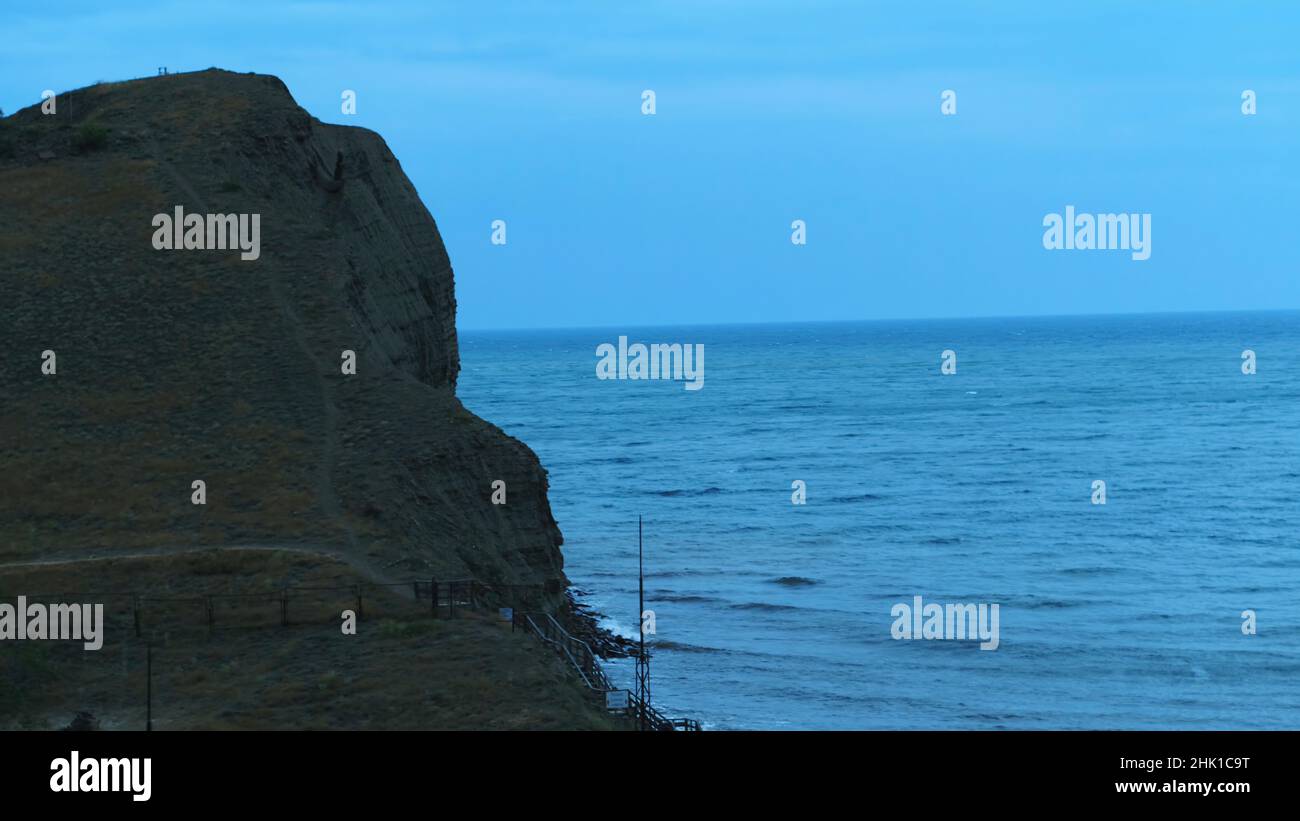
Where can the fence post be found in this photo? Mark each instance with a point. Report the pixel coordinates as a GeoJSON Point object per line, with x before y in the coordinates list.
{"type": "Point", "coordinates": [415, 588]}
{"type": "Point", "coordinates": [433, 596]}
{"type": "Point", "coordinates": [451, 600]}
{"type": "Point", "coordinates": [284, 607]}
{"type": "Point", "coordinates": [360, 612]}
{"type": "Point", "coordinates": [135, 613]}
{"type": "Point", "coordinates": [210, 615]}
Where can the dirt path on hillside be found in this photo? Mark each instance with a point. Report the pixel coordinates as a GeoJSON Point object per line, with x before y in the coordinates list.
{"type": "Point", "coordinates": [343, 555]}
{"type": "Point", "coordinates": [325, 491]}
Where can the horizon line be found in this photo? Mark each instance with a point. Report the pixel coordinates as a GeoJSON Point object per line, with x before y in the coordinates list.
{"type": "Point", "coordinates": [875, 319]}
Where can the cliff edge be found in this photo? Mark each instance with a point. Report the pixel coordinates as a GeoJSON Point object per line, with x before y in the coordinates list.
{"type": "Point", "coordinates": [176, 366]}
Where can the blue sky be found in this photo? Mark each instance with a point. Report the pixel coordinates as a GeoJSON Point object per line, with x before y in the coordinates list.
{"type": "Point", "coordinates": [770, 112]}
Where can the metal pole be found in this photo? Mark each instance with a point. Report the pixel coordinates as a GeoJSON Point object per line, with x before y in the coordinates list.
{"type": "Point", "coordinates": [148, 687]}
{"type": "Point", "coordinates": [643, 664]}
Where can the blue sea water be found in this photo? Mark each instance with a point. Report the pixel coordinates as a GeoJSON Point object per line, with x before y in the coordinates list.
{"type": "Point", "coordinates": [974, 487]}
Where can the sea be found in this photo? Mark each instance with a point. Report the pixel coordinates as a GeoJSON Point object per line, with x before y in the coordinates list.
{"type": "Point", "coordinates": [1175, 604]}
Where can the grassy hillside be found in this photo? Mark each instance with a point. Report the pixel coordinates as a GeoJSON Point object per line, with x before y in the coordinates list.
{"type": "Point", "coordinates": [403, 669]}
{"type": "Point", "coordinates": [173, 366]}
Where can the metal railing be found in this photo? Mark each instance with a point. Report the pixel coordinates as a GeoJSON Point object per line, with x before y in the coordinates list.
{"type": "Point", "coordinates": [149, 611]}
{"type": "Point", "coordinates": [655, 719]}
{"type": "Point", "coordinates": [579, 654]}
{"type": "Point", "coordinates": [577, 651]}
{"type": "Point", "coordinates": [290, 605]}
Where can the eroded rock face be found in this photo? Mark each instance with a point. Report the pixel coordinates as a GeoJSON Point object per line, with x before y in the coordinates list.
{"type": "Point", "coordinates": [180, 365]}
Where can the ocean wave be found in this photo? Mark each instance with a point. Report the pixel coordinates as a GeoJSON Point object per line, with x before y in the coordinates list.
{"type": "Point", "coordinates": [1032, 603]}
{"type": "Point", "coordinates": [766, 607]}
{"type": "Point", "coordinates": [683, 598]}
{"type": "Point", "coordinates": [1090, 571]}
{"type": "Point", "coordinates": [682, 647]}
{"type": "Point", "coordinates": [861, 497]}
{"type": "Point", "coordinates": [708, 491]}
{"type": "Point", "coordinates": [616, 627]}
{"type": "Point", "coordinates": [703, 571]}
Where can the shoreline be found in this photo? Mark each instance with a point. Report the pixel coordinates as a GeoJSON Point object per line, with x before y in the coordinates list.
{"type": "Point", "coordinates": [583, 621]}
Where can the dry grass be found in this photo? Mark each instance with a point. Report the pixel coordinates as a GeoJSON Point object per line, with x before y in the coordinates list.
{"type": "Point", "coordinates": [403, 669]}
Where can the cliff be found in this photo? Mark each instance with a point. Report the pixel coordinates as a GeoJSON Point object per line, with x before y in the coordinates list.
{"type": "Point", "coordinates": [173, 366]}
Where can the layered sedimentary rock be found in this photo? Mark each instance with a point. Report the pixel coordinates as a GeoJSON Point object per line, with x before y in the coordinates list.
{"type": "Point", "coordinates": [176, 366]}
